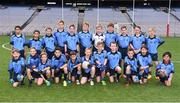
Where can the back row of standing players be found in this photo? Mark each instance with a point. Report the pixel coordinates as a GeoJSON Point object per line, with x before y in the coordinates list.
{"type": "Point", "coordinates": [83, 56]}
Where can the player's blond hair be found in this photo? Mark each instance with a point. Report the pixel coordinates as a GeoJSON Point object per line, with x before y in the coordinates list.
{"type": "Point", "coordinates": [99, 26]}
{"type": "Point", "coordinates": [152, 29]}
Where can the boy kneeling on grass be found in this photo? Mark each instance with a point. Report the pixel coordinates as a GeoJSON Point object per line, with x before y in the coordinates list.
{"type": "Point", "coordinates": [16, 68]}
{"type": "Point", "coordinates": [165, 69]}
{"type": "Point", "coordinates": [43, 72]}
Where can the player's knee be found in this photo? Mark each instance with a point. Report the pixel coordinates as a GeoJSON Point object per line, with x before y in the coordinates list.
{"type": "Point", "coordinates": [28, 70]}
{"type": "Point", "coordinates": [128, 70]}
{"type": "Point", "coordinates": [118, 69]}
{"type": "Point", "coordinates": [98, 79]}
{"type": "Point", "coordinates": [145, 80]}
{"type": "Point", "coordinates": [56, 80]}
{"type": "Point", "coordinates": [48, 72]}
{"type": "Point", "coordinates": [111, 79]}
{"type": "Point", "coordinates": [39, 81]}
{"type": "Point", "coordinates": [93, 69]}
{"type": "Point", "coordinates": [83, 81]}
{"type": "Point", "coordinates": [15, 84]}
{"type": "Point", "coordinates": [65, 70]}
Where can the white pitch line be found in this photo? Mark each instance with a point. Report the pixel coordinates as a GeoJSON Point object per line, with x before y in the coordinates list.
{"type": "Point", "coordinates": [4, 46]}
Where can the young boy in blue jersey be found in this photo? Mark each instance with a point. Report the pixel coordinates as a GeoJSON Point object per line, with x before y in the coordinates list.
{"type": "Point", "coordinates": [88, 68]}
{"type": "Point", "coordinates": [153, 42]}
{"type": "Point", "coordinates": [59, 66]}
{"type": "Point", "coordinates": [36, 42]}
{"type": "Point", "coordinates": [18, 41]}
{"type": "Point", "coordinates": [43, 69]}
{"type": "Point", "coordinates": [32, 63]}
{"type": "Point", "coordinates": [131, 68]}
{"type": "Point", "coordinates": [60, 35]}
{"type": "Point", "coordinates": [123, 41]}
{"type": "Point", "coordinates": [49, 42]}
{"type": "Point", "coordinates": [72, 40]}
{"type": "Point", "coordinates": [114, 59]}
{"type": "Point", "coordinates": [137, 40]}
{"type": "Point", "coordinates": [100, 59]}
{"type": "Point", "coordinates": [85, 38]}
{"type": "Point", "coordinates": [165, 69]}
{"type": "Point", "coordinates": [110, 36]}
{"type": "Point", "coordinates": [74, 67]}
{"type": "Point", "coordinates": [145, 64]}
{"type": "Point", "coordinates": [16, 68]}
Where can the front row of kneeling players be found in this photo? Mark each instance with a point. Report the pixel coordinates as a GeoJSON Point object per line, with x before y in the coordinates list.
{"type": "Point", "coordinates": [91, 66]}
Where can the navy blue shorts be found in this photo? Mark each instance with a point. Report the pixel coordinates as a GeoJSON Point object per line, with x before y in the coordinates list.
{"type": "Point", "coordinates": [62, 49]}
{"type": "Point", "coordinates": [22, 53]}
{"type": "Point", "coordinates": [111, 71]}
{"type": "Point", "coordinates": [50, 54]}
{"type": "Point", "coordinates": [74, 72]}
{"type": "Point", "coordinates": [107, 48]}
{"type": "Point", "coordinates": [123, 52]}
{"type": "Point", "coordinates": [84, 74]}
{"type": "Point", "coordinates": [15, 77]}
{"type": "Point", "coordinates": [163, 79]}
{"type": "Point", "coordinates": [98, 72]}
{"type": "Point", "coordinates": [154, 57]}
{"type": "Point", "coordinates": [82, 51]}
{"type": "Point", "coordinates": [58, 72]}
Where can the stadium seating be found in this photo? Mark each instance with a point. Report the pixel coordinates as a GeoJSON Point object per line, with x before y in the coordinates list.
{"type": "Point", "coordinates": [145, 17]}
{"type": "Point", "coordinates": [13, 16]}
{"type": "Point", "coordinates": [50, 17]}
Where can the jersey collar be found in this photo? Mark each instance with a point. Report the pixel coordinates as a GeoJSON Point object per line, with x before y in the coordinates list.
{"type": "Point", "coordinates": [18, 36]}
{"type": "Point", "coordinates": [153, 37]}
{"type": "Point", "coordinates": [99, 35]}
{"type": "Point", "coordinates": [16, 60]}
{"type": "Point", "coordinates": [110, 32]}
{"type": "Point", "coordinates": [35, 39]}
{"type": "Point", "coordinates": [85, 32]}
{"type": "Point", "coordinates": [71, 35]}
{"type": "Point", "coordinates": [60, 31]}
{"type": "Point", "coordinates": [57, 57]}
{"type": "Point", "coordinates": [49, 36]}
{"type": "Point", "coordinates": [114, 53]}
{"type": "Point", "coordinates": [124, 35]}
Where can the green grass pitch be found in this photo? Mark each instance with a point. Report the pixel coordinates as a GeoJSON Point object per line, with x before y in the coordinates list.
{"type": "Point", "coordinates": [153, 91]}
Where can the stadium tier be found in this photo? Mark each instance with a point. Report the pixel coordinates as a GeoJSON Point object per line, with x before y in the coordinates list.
{"type": "Point", "coordinates": [145, 17]}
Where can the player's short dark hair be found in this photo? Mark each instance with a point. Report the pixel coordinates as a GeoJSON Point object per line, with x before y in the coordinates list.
{"type": "Point", "coordinates": [113, 42]}
{"type": "Point", "coordinates": [15, 51]}
{"type": "Point", "coordinates": [145, 47]}
{"type": "Point", "coordinates": [123, 27]}
{"type": "Point", "coordinates": [33, 48]}
{"type": "Point", "coordinates": [17, 27]}
{"type": "Point", "coordinates": [86, 23]}
{"type": "Point", "coordinates": [167, 53]}
{"type": "Point", "coordinates": [72, 25]}
{"type": "Point", "coordinates": [72, 53]}
{"type": "Point", "coordinates": [137, 27]}
{"type": "Point", "coordinates": [48, 28]}
{"type": "Point", "coordinates": [61, 21]}
{"type": "Point", "coordinates": [58, 49]}
{"type": "Point", "coordinates": [130, 49]}
{"type": "Point", "coordinates": [110, 25]}
{"type": "Point", "coordinates": [36, 31]}
{"type": "Point", "coordinates": [43, 53]}
{"type": "Point", "coordinates": [100, 43]}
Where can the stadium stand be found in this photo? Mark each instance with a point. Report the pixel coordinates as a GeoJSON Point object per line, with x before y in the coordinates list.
{"type": "Point", "coordinates": [12, 16]}
{"type": "Point", "coordinates": [145, 17]}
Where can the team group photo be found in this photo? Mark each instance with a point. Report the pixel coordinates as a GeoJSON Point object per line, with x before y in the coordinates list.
{"type": "Point", "coordinates": [89, 51]}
